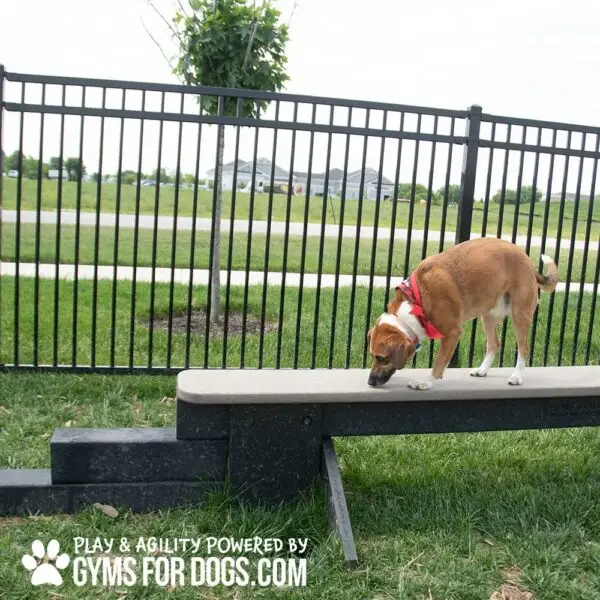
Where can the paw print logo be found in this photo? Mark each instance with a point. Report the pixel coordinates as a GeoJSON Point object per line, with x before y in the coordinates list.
{"type": "Point", "coordinates": [44, 564]}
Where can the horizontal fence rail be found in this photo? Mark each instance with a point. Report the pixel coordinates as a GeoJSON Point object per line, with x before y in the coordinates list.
{"type": "Point", "coordinates": [116, 245]}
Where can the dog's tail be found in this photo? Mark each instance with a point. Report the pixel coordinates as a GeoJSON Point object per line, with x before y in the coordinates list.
{"type": "Point", "coordinates": [547, 283]}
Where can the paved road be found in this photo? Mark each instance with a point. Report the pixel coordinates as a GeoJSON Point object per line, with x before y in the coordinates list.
{"type": "Point", "coordinates": [127, 221]}
{"type": "Point", "coordinates": [200, 276]}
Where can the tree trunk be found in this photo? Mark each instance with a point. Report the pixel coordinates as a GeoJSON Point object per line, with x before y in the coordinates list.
{"type": "Point", "coordinates": [215, 296]}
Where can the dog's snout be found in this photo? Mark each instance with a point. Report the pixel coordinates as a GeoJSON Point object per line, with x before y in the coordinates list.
{"type": "Point", "coordinates": [379, 379]}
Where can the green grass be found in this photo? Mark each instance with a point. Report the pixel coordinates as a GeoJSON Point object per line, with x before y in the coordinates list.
{"type": "Point", "coordinates": [26, 324]}
{"type": "Point", "coordinates": [434, 516]}
{"type": "Point", "coordinates": [164, 247]}
{"type": "Point", "coordinates": [88, 202]}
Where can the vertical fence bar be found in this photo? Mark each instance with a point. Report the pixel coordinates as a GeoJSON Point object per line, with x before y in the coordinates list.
{"type": "Point", "coordinates": [18, 233]}
{"type": "Point", "coordinates": [192, 263]}
{"type": "Point", "coordinates": [447, 187]}
{"type": "Point", "coordinates": [263, 308]}
{"type": "Point", "coordinates": [374, 244]}
{"type": "Point", "coordinates": [136, 231]}
{"type": "Point", "coordinates": [468, 174]}
{"type": "Point", "coordinates": [113, 316]}
{"type": "Point", "coordinates": [286, 240]}
{"type": "Point", "coordinates": [530, 230]}
{"type": "Point", "coordinates": [533, 198]}
{"type": "Point", "coordinates": [428, 213]}
{"type": "Point", "coordinates": [338, 259]}
{"type": "Point", "coordinates": [561, 215]}
{"type": "Point", "coordinates": [174, 236]}
{"type": "Point", "coordinates": [500, 223]}
{"type": "Point", "coordinates": [543, 243]}
{"type": "Point", "coordinates": [2, 78]}
{"type": "Point", "coordinates": [464, 217]}
{"type": "Point", "coordinates": [412, 200]}
{"type": "Point", "coordinates": [411, 209]}
{"type": "Point", "coordinates": [488, 183]}
{"type": "Point", "coordinates": [77, 236]}
{"type": "Point", "coordinates": [357, 240]}
{"type": "Point", "coordinates": [515, 230]}
{"type": "Point", "coordinates": [390, 263]}
{"type": "Point", "coordinates": [586, 246]}
{"type": "Point", "coordinates": [249, 248]}
{"type": "Point", "coordinates": [38, 227]}
{"type": "Point", "coordinates": [97, 235]}
{"type": "Point", "coordinates": [230, 240]}
{"type": "Point", "coordinates": [304, 236]}
{"type": "Point", "coordinates": [58, 230]}
{"type": "Point", "coordinates": [429, 191]}
{"type": "Point", "coordinates": [325, 197]}
{"type": "Point", "coordinates": [155, 232]}
{"type": "Point", "coordinates": [561, 336]}
{"type": "Point", "coordinates": [486, 209]}
{"type": "Point", "coordinates": [503, 187]}
{"type": "Point", "coordinates": [588, 348]}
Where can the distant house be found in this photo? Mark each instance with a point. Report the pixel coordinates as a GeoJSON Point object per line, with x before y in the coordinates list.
{"type": "Point", "coordinates": [55, 174]}
{"type": "Point", "coordinates": [371, 182]}
{"type": "Point", "coordinates": [569, 197]}
{"type": "Point", "coordinates": [262, 175]}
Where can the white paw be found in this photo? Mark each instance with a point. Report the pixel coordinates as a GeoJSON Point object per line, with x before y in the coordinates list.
{"type": "Point", "coordinates": [515, 379]}
{"type": "Point", "coordinates": [45, 572]}
{"type": "Point", "coordinates": [421, 385]}
{"type": "Point", "coordinates": [478, 372]}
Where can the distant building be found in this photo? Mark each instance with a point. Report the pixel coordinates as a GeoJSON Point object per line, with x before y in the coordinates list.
{"type": "Point", "coordinates": [55, 174]}
{"type": "Point", "coordinates": [243, 170]}
{"type": "Point", "coordinates": [370, 183]}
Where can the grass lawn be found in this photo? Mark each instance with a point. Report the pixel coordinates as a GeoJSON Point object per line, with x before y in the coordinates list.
{"type": "Point", "coordinates": [443, 517]}
{"type": "Point", "coordinates": [88, 202]}
{"type": "Point", "coordinates": [164, 251]}
{"type": "Point", "coordinates": [447, 517]}
{"type": "Point", "coordinates": [275, 345]}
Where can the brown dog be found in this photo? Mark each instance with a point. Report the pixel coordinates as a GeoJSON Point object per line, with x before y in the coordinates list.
{"type": "Point", "coordinates": [488, 278]}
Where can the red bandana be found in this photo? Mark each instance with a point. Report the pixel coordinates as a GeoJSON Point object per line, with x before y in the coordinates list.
{"type": "Point", "coordinates": [411, 289]}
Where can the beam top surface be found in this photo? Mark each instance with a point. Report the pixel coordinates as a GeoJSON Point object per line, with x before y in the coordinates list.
{"type": "Point", "coordinates": [324, 386]}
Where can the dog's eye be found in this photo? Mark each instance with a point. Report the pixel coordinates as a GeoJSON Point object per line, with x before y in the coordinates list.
{"type": "Point", "coordinates": [380, 359]}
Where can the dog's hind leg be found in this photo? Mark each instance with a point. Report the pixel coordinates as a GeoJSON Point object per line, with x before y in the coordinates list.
{"type": "Point", "coordinates": [490, 326]}
{"type": "Point", "coordinates": [521, 324]}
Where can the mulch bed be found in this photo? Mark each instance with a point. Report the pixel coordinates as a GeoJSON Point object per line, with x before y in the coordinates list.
{"type": "Point", "coordinates": [179, 324]}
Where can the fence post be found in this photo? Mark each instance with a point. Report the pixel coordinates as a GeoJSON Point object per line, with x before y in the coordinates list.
{"type": "Point", "coordinates": [2, 75]}
{"type": "Point", "coordinates": [467, 185]}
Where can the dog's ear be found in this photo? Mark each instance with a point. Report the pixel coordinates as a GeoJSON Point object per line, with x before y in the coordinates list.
{"type": "Point", "coordinates": [398, 355]}
{"type": "Point", "coordinates": [396, 301]}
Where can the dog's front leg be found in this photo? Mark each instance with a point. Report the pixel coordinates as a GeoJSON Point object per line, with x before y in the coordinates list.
{"type": "Point", "coordinates": [447, 347]}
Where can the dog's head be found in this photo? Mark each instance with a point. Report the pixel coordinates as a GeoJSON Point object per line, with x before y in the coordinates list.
{"type": "Point", "coordinates": [390, 349]}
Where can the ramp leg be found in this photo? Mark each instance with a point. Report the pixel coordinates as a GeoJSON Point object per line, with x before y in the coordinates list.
{"type": "Point", "coordinates": [337, 509]}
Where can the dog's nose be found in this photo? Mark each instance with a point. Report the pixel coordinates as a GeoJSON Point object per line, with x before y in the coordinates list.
{"type": "Point", "coordinates": [373, 381]}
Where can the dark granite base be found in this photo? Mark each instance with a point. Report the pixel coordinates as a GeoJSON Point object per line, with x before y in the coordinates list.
{"type": "Point", "coordinates": [29, 491]}
{"type": "Point", "coordinates": [274, 451]}
{"type": "Point", "coordinates": [202, 422]}
{"type": "Point", "coordinates": [81, 455]}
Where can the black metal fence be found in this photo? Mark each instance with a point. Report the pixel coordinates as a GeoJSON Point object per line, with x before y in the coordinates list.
{"type": "Point", "coordinates": [110, 213]}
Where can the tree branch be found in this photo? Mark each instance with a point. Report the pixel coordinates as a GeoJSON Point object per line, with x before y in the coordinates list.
{"type": "Point", "coordinates": [157, 44]}
{"type": "Point", "coordinates": [173, 30]}
{"type": "Point", "coordinates": [182, 9]}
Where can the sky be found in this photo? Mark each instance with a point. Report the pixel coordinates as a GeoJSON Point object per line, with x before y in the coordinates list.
{"type": "Point", "coordinates": [527, 59]}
